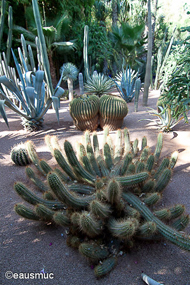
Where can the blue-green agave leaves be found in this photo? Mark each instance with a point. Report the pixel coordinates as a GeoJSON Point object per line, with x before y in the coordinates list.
{"type": "Point", "coordinates": [32, 97]}
{"type": "Point", "coordinates": [2, 112]}
{"type": "Point", "coordinates": [125, 83]}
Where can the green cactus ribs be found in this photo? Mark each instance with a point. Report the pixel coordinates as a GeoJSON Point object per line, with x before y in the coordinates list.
{"type": "Point", "coordinates": [19, 155]}
{"type": "Point", "coordinates": [105, 194]}
{"type": "Point", "coordinates": [112, 111]}
{"type": "Point", "coordinates": [84, 111]}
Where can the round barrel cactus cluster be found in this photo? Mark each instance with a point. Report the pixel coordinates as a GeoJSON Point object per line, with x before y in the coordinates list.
{"type": "Point", "coordinates": [105, 197]}
{"type": "Point", "coordinates": [89, 112]}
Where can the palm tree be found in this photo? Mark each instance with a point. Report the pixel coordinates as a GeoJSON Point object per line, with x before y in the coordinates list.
{"type": "Point", "coordinates": [127, 43]}
{"type": "Point", "coordinates": [54, 37]}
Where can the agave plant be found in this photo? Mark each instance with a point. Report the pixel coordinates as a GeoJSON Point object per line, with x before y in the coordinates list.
{"type": "Point", "coordinates": [125, 82]}
{"type": "Point", "coordinates": [69, 73]}
{"type": "Point", "coordinates": [98, 84]}
{"type": "Point", "coordinates": [166, 120]}
{"type": "Point", "coordinates": [31, 97]}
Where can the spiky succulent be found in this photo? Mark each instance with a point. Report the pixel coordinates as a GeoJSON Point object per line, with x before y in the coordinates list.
{"type": "Point", "coordinates": [98, 84]}
{"type": "Point", "coordinates": [69, 70]}
{"type": "Point", "coordinates": [105, 197]}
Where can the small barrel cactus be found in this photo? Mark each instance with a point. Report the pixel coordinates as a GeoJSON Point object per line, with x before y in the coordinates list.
{"type": "Point", "coordinates": [84, 111]}
{"type": "Point", "coordinates": [112, 111]}
{"type": "Point", "coordinates": [19, 155]}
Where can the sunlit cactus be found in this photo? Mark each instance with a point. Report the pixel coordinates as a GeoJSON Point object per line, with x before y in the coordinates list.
{"type": "Point", "coordinates": [105, 194]}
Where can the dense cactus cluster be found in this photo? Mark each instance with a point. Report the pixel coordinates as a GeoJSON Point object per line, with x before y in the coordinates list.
{"type": "Point", "coordinates": [105, 197]}
{"type": "Point", "coordinates": [88, 112]}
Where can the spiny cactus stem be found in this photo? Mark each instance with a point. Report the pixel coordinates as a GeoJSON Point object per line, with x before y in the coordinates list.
{"type": "Point", "coordinates": [75, 163]}
{"type": "Point", "coordinates": [31, 198]}
{"type": "Point", "coordinates": [61, 191]}
{"type": "Point", "coordinates": [172, 235]}
{"type": "Point", "coordinates": [132, 180]}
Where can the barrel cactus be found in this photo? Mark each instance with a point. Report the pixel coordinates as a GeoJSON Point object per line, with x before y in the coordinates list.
{"type": "Point", "coordinates": [105, 197]}
{"type": "Point", "coordinates": [84, 111]}
{"type": "Point", "coordinates": [19, 155]}
{"type": "Point", "coordinates": [112, 111]}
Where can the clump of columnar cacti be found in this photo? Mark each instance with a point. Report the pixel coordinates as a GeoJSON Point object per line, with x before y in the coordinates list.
{"type": "Point", "coordinates": [105, 196]}
{"type": "Point", "coordinates": [112, 111]}
{"type": "Point", "coordinates": [19, 155]}
{"type": "Point", "coordinates": [84, 111]}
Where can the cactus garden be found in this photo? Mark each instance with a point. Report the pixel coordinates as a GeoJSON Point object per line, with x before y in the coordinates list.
{"type": "Point", "coordinates": [94, 189]}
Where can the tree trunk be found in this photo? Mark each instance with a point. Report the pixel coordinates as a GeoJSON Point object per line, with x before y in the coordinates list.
{"type": "Point", "coordinates": [70, 88]}
{"type": "Point", "coordinates": [149, 57]}
{"type": "Point", "coordinates": [52, 69]}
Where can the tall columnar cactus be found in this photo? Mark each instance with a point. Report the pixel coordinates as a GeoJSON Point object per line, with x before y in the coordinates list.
{"type": "Point", "coordinates": [137, 92]}
{"type": "Point", "coordinates": [3, 6]}
{"type": "Point", "coordinates": [85, 51]}
{"type": "Point", "coordinates": [108, 211]}
{"type": "Point", "coordinates": [112, 111]}
{"type": "Point", "coordinates": [81, 84]}
{"type": "Point", "coordinates": [84, 111]}
{"type": "Point", "coordinates": [9, 39]}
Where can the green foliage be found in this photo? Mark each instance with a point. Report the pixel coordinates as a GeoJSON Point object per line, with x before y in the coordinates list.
{"type": "Point", "coordinates": [175, 90]}
{"type": "Point", "coordinates": [103, 222]}
{"type": "Point", "coordinates": [128, 43]}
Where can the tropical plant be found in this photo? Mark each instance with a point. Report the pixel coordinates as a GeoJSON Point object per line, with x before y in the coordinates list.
{"type": "Point", "coordinates": [125, 83]}
{"type": "Point", "coordinates": [162, 57]}
{"type": "Point", "coordinates": [31, 97]}
{"type": "Point", "coordinates": [176, 91]}
{"type": "Point", "coordinates": [98, 84]}
{"type": "Point", "coordinates": [53, 32]}
{"type": "Point", "coordinates": [105, 198]}
{"type": "Point", "coordinates": [69, 73]}
{"type": "Point", "coordinates": [128, 43]}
